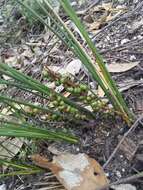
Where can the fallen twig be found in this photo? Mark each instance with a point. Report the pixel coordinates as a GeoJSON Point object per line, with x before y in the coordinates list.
{"type": "Point", "coordinates": [121, 141]}
{"type": "Point", "coordinates": [128, 179]}
{"type": "Point", "coordinates": [124, 180]}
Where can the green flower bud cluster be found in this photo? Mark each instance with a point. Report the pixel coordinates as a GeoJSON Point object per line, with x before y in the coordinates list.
{"type": "Point", "coordinates": [52, 117]}
{"type": "Point", "coordinates": [61, 80]}
{"type": "Point", "coordinates": [51, 76]}
{"type": "Point", "coordinates": [93, 101]}
{"type": "Point", "coordinates": [98, 105]}
{"type": "Point", "coordinates": [55, 117]}
{"type": "Point", "coordinates": [61, 106]}
{"type": "Point", "coordinates": [47, 76]}
{"type": "Point", "coordinates": [87, 99]}
{"type": "Point", "coordinates": [70, 86]}
{"type": "Point", "coordinates": [81, 92]}
{"type": "Point", "coordinates": [78, 89]}
{"type": "Point", "coordinates": [45, 73]}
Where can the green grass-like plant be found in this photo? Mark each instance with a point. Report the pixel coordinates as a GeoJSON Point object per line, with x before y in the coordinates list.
{"type": "Point", "coordinates": [19, 169]}
{"type": "Point", "coordinates": [65, 109]}
{"type": "Point", "coordinates": [13, 129]}
{"type": "Point", "coordinates": [59, 28]}
{"type": "Point", "coordinates": [26, 83]}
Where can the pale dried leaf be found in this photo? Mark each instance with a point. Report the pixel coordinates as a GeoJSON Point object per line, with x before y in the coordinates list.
{"type": "Point", "coordinates": [9, 147]}
{"type": "Point", "coordinates": [107, 6]}
{"type": "Point", "coordinates": [124, 187]}
{"type": "Point", "coordinates": [3, 86]}
{"type": "Point", "coordinates": [121, 67]}
{"type": "Point", "coordinates": [136, 25]}
{"type": "Point", "coordinates": [100, 92]}
{"type": "Point", "coordinates": [3, 187]}
{"type": "Point", "coordinates": [129, 148]}
{"type": "Point", "coordinates": [109, 17]}
{"type": "Point", "coordinates": [126, 84]}
{"type": "Point", "coordinates": [108, 13]}
{"type": "Point", "coordinates": [6, 77]}
{"type": "Point", "coordinates": [5, 112]}
{"type": "Point", "coordinates": [95, 25]}
{"type": "Point", "coordinates": [72, 68]}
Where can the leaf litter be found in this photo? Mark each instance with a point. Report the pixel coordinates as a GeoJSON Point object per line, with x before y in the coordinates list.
{"type": "Point", "coordinates": [27, 57]}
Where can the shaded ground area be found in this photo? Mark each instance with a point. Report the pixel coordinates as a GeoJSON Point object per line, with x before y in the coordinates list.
{"type": "Point", "coordinates": [120, 40]}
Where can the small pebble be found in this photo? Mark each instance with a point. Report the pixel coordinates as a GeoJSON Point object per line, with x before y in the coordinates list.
{"type": "Point", "coordinates": [118, 174]}
{"type": "Point", "coordinates": [124, 41]}
{"type": "Point", "coordinates": [77, 149]}
{"type": "Point", "coordinates": [108, 134]}
{"type": "Point", "coordinates": [135, 1]}
{"type": "Point", "coordinates": [139, 37]}
{"type": "Point", "coordinates": [108, 38]}
{"type": "Point", "coordinates": [121, 156]}
{"type": "Point", "coordinates": [135, 37]}
{"type": "Point", "coordinates": [107, 174]}
{"type": "Point", "coordinates": [132, 57]}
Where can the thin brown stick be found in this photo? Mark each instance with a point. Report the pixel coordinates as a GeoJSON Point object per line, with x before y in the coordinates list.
{"type": "Point", "coordinates": [124, 180]}
{"type": "Point", "coordinates": [121, 141]}
{"type": "Point", "coordinates": [92, 5]}
{"type": "Point", "coordinates": [128, 179]}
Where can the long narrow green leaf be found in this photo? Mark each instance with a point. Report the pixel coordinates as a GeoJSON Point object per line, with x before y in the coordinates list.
{"type": "Point", "coordinates": [111, 84]}
{"type": "Point", "coordinates": [64, 34]}
{"type": "Point", "coordinates": [22, 87]}
{"type": "Point", "coordinates": [22, 172]}
{"type": "Point", "coordinates": [73, 45]}
{"type": "Point", "coordinates": [15, 165]}
{"type": "Point", "coordinates": [21, 169]}
{"type": "Point", "coordinates": [111, 91]}
{"type": "Point", "coordinates": [77, 49]}
{"type": "Point", "coordinates": [11, 130]}
{"type": "Point", "coordinates": [36, 85]}
{"type": "Point", "coordinates": [70, 41]}
{"type": "Point", "coordinates": [45, 109]}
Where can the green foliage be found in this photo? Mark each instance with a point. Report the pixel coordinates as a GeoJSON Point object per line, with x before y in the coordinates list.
{"type": "Point", "coordinates": [18, 169]}
{"type": "Point", "coordinates": [10, 129]}
{"type": "Point", "coordinates": [57, 107]}
{"type": "Point", "coordinates": [61, 30]}
{"type": "Point", "coordinates": [35, 6]}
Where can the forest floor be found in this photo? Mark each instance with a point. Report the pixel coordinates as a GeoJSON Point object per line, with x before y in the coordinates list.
{"type": "Point", "coordinates": [117, 31]}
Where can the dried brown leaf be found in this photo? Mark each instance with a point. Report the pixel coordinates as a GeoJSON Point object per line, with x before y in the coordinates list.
{"type": "Point", "coordinates": [75, 172]}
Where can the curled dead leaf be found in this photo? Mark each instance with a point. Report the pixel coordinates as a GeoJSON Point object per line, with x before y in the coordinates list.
{"type": "Point", "coordinates": [75, 172]}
